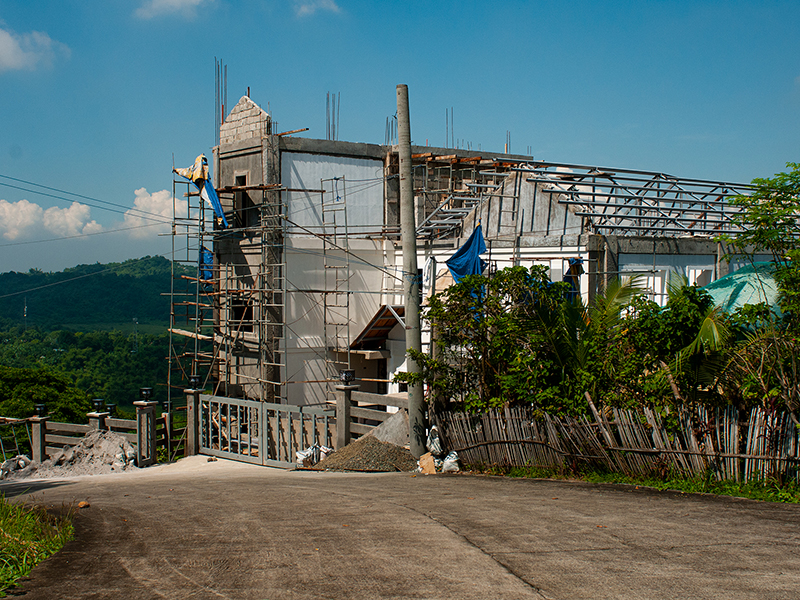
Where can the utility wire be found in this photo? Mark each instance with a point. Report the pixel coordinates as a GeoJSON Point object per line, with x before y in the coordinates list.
{"type": "Point", "coordinates": [141, 213]}
{"type": "Point", "coordinates": [80, 235]}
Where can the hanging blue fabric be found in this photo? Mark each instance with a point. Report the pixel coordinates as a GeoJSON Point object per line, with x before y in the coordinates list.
{"type": "Point", "coordinates": [209, 194]}
{"type": "Point", "coordinates": [206, 264]}
{"type": "Point", "coordinates": [467, 260]}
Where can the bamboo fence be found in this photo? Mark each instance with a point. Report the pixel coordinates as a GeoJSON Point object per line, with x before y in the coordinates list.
{"type": "Point", "coordinates": [692, 442]}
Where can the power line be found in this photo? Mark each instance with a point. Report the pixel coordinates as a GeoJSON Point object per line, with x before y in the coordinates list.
{"type": "Point", "coordinates": [141, 213]}
{"type": "Point", "coordinates": [80, 235]}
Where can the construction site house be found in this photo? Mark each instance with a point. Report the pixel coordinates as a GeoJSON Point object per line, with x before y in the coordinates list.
{"type": "Point", "coordinates": [307, 277]}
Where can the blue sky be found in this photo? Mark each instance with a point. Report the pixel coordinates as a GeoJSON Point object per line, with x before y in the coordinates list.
{"type": "Point", "coordinates": [97, 96]}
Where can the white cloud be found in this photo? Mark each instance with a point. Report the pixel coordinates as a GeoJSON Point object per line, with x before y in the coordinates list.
{"type": "Point", "coordinates": [28, 51]}
{"type": "Point", "coordinates": [155, 8]}
{"type": "Point", "coordinates": [23, 219]}
{"type": "Point", "coordinates": [157, 204]}
{"type": "Point", "coordinates": [304, 8]}
{"type": "Point", "coordinates": [17, 218]}
{"type": "Point", "coordinates": [70, 221]}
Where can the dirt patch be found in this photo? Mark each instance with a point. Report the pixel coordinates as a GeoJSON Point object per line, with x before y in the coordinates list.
{"type": "Point", "coordinates": [99, 452]}
{"type": "Point", "coordinates": [369, 454]}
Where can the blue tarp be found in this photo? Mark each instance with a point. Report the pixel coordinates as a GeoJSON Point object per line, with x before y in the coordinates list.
{"type": "Point", "coordinates": [467, 260]}
{"type": "Point", "coordinates": [752, 284]}
{"type": "Point", "coordinates": [206, 264]}
{"type": "Point", "coordinates": [209, 194]}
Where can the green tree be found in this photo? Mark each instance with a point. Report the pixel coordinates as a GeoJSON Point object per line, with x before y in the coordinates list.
{"type": "Point", "coordinates": [22, 389]}
{"type": "Point", "coordinates": [765, 365]}
{"type": "Point", "coordinates": [515, 338]}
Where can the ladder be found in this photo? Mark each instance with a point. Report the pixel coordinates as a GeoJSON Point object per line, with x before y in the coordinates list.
{"type": "Point", "coordinates": [337, 274]}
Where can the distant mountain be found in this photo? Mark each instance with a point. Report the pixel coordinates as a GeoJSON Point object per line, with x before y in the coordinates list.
{"type": "Point", "coordinates": [98, 296]}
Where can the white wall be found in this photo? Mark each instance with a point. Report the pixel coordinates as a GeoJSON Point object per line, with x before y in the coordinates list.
{"type": "Point", "coordinates": [655, 270]}
{"type": "Point", "coordinates": [361, 188]}
{"type": "Point", "coordinates": [304, 315]}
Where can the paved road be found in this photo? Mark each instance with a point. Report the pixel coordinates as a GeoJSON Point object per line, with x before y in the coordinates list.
{"type": "Point", "coordinates": [228, 530]}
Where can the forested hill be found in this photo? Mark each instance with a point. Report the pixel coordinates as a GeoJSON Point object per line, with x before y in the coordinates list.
{"type": "Point", "coordinates": [98, 296]}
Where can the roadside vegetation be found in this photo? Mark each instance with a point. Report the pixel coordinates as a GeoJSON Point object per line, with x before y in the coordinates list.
{"type": "Point", "coordinates": [771, 490]}
{"type": "Point", "coordinates": [28, 535]}
{"type": "Point", "coordinates": [66, 369]}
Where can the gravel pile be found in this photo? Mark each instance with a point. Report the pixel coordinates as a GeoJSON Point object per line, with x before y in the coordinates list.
{"type": "Point", "coordinates": [97, 453]}
{"type": "Point", "coordinates": [369, 454]}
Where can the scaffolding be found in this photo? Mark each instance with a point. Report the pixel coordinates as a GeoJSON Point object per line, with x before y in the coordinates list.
{"type": "Point", "coordinates": [192, 292]}
{"type": "Point", "coordinates": [223, 315]}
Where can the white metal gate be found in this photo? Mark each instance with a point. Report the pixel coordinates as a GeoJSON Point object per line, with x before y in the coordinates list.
{"type": "Point", "coordinates": [260, 432]}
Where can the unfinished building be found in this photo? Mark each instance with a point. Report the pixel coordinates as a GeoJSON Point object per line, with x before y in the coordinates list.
{"type": "Point", "coordinates": [306, 279]}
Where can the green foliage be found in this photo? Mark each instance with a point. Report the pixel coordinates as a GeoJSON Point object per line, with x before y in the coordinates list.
{"type": "Point", "coordinates": [22, 389]}
{"type": "Point", "coordinates": [770, 217]}
{"type": "Point", "coordinates": [770, 490]}
{"type": "Point", "coordinates": [488, 341]}
{"type": "Point", "coordinates": [764, 366]}
{"type": "Point", "coordinates": [28, 535]}
{"type": "Point", "coordinates": [89, 294]}
{"type": "Point", "coordinates": [98, 364]}
{"type": "Point", "coordinates": [514, 338]}
{"type": "Point", "coordinates": [683, 344]}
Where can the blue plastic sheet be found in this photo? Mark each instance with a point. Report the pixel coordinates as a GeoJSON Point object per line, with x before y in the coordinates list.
{"type": "Point", "coordinates": [206, 264]}
{"type": "Point", "coordinates": [467, 260]}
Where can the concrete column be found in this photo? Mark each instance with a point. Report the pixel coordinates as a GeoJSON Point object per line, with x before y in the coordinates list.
{"type": "Point", "coordinates": [344, 398]}
{"type": "Point", "coordinates": [411, 282]}
{"type": "Point", "coordinates": [168, 432]}
{"type": "Point", "coordinates": [192, 422]}
{"type": "Point", "coordinates": [97, 420]}
{"type": "Point", "coordinates": [38, 433]}
{"type": "Point", "coordinates": [145, 433]}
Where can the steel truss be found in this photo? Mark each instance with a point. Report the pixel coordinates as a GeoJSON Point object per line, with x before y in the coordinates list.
{"type": "Point", "coordinates": [644, 203]}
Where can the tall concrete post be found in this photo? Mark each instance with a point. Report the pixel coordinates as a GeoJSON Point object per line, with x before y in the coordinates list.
{"type": "Point", "coordinates": [344, 400]}
{"type": "Point", "coordinates": [411, 282]}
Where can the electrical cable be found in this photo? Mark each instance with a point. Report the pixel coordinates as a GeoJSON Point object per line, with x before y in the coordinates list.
{"type": "Point", "coordinates": [80, 235]}
{"type": "Point", "coordinates": [52, 189]}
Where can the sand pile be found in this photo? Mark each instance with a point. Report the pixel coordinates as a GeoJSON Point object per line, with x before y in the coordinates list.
{"type": "Point", "coordinates": [97, 453]}
{"type": "Point", "coordinates": [369, 454]}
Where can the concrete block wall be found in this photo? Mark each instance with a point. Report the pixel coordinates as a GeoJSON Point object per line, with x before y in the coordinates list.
{"type": "Point", "coordinates": [246, 120]}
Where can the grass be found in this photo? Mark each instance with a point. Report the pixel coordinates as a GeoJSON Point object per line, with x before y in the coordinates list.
{"type": "Point", "coordinates": [769, 490]}
{"type": "Point", "coordinates": [28, 535]}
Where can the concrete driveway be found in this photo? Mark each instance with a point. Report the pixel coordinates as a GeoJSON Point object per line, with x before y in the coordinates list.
{"type": "Point", "coordinates": [228, 530]}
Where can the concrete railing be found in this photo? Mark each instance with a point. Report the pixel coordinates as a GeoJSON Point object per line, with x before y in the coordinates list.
{"type": "Point", "coordinates": [49, 437]}
{"type": "Point", "coordinates": [358, 413]}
